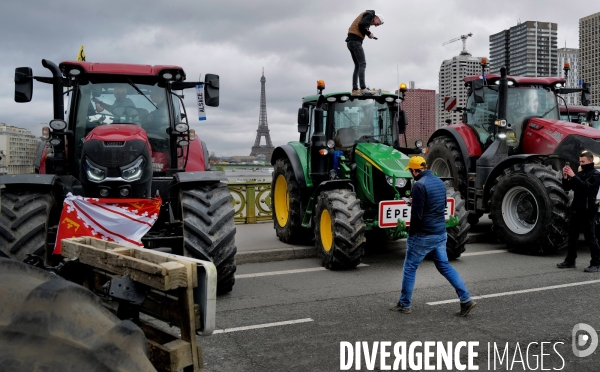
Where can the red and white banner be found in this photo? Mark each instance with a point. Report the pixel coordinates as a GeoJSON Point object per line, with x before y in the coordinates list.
{"type": "Point", "coordinates": [123, 221]}
{"type": "Point", "coordinates": [449, 103]}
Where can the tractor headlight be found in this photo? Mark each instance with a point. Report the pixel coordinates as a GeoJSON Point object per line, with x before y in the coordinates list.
{"type": "Point", "coordinates": [94, 173]}
{"type": "Point", "coordinates": [596, 161]}
{"type": "Point", "coordinates": [133, 172]}
{"type": "Point", "coordinates": [400, 182]}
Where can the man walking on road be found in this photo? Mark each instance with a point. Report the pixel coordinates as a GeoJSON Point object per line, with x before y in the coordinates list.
{"type": "Point", "coordinates": [427, 233]}
{"type": "Point", "coordinates": [356, 34]}
{"type": "Point", "coordinates": [585, 186]}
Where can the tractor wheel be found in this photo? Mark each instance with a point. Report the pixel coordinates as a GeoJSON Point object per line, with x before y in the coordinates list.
{"type": "Point", "coordinates": [473, 218]}
{"type": "Point", "coordinates": [529, 209]}
{"type": "Point", "coordinates": [457, 235]}
{"type": "Point", "coordinates": [209, 230]}
{"type": "Point", "coordinates": [50, 324]}
{"type": "Point", "coordinates": [339, 229]}
{"type": "Point", "coordinates": [25, 217]}
{"type": "Point", "coordinates": [445, 160]}
{"type": "Point", "coordinates": [287, 204]}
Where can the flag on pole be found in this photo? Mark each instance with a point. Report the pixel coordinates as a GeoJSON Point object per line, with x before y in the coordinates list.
{"type": "Point", "coordinates": [81, 55]}
{"type": "Point", "coordinates": [123, 221]}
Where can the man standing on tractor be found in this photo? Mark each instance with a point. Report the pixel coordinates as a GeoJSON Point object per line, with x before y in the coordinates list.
{"type": "Point", "coordinates": [427, 234]}
{"type": "Point", "coordinates": [356, 34]}
{"type": "Point", "coordinates": [585, 186]}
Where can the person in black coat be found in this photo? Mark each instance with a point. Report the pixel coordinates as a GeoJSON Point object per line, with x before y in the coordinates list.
{"type": "Point", "coordinates": [584, 184]}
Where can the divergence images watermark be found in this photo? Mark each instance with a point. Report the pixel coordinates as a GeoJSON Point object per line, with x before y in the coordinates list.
{"type": "Point", "coordinates": [445, 356]}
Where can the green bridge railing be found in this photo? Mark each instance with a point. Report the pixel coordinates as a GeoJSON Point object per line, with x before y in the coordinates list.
{"type": "Point", "coordinates": [251, 201]}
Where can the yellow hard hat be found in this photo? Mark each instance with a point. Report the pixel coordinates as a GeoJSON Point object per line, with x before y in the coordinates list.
{"type": "Point", "coordinates": [416, 162]}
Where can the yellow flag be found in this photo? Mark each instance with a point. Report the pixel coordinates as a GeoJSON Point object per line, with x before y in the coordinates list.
{"type": "Point", "coordinates": [81, 55]}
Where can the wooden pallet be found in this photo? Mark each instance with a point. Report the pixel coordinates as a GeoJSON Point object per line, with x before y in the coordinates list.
{"type": "Point", "coordinates": [173, 280]}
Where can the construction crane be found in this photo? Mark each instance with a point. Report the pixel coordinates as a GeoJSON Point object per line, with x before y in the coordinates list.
{"type": "Point", "coordinates": [464, 41]}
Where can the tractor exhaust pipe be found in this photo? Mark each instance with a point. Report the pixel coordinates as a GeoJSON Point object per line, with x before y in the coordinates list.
{"type": "Point", "coordinates": [57, 89]}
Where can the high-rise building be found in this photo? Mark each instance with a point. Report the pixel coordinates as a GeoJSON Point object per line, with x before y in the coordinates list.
{"type": "Point", "coordinates": [419, 106]}
{"type": "Point", "coordinates": [527, 49]}
{"type": "Point", "coordinates": [451, 84]}
{"type": "Point", "coordinates": [589, 57]}
{"type": "Point", "coordinates": [18, 149]}
{"type": "Point", "coordinates": [570, 56]}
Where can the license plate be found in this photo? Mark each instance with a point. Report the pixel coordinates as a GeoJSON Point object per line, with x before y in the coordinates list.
{"type": "Point", "coordinates": [391, 210]}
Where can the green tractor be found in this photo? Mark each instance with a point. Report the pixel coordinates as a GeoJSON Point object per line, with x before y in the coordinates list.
{"type": "Point", "coordinates": [345, 179]}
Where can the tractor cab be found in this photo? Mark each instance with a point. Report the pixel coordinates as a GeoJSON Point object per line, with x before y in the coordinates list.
{"type": "Point", "coordinates": [526, 99]}
{"type": "Point", "coordinates": [585, 115]}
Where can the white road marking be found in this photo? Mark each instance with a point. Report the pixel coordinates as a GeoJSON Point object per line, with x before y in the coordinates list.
{"type": "Point", "coordinates": [484, 252]}
{"type": "Point", "coordinates": [519, 292]}
{"type": "Point", "coordinates": [284, 272]}
{"type": "Point", "coordinates": [266, 325]}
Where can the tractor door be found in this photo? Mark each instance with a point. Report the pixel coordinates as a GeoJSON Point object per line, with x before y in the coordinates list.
{"type": "Point", "coordinates": [481, 116]}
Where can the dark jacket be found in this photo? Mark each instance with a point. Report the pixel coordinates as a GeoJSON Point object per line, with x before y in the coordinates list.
{"type": "Point", "coordinates": [585, 186]}
{"type": "Point", "coordinates": [427, 215]}
{"type": "Point", "coordinates": [360, 27]}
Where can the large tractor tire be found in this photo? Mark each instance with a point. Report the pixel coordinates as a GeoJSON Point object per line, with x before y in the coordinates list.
{"type": "Point", "coordinates": [339, 229]}
{"type": "Point", "coordinates": [50, 324]}
{"type": "Point", "coordinates": [529, 209]}
{"type": "Point", "coordinates": [287, 204]}
{"type": "Point", "coordinates": [209, 229]}
{"type": "Point", "coordinates": [25, 218]}
{"type": "Point", "coordinates": [445, 160]}
{"type": "Point", "coordinates": [457, 235]}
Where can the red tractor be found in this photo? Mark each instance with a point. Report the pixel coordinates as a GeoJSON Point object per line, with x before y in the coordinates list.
{"type": "Point", "coordinates": [586, 115]}
{"type": "Point", "coordinates": [506, 156]}
{"type": "Point", "coordinates": [125, 135]}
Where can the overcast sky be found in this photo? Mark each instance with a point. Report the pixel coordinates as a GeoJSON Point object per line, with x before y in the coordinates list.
{"type": "Point", "coordinates": [296, 41]}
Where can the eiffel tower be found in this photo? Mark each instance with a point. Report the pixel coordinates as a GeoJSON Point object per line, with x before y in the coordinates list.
{"type": "Point", "coordinates": [263, 128]}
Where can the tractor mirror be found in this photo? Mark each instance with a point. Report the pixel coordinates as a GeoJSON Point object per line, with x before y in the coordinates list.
{"type": "Point", "coordinates": [23, 84]}
{"type": "Point", "coordinates": [402, 122]}
{"type": "Point", "coordinates": [211, 90]}
{"type": "Point", "coordinates": [585, 94]}
{"type": "Point", "coordinates": [477, 87]}
{"type": "Point", "coordinates": [303, 120]}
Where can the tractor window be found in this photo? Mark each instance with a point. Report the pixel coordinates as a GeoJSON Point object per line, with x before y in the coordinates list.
{"type": "Point", "coordinates": [481, 116]}
{"type": "Point", "coordinates": [311, 128]}
{"type": "Point", "coordinates": [357, 118]}
{"type": "Point", "coordinates": [525, 103]}
{"type": "Point", "coordinates": [119, 103]}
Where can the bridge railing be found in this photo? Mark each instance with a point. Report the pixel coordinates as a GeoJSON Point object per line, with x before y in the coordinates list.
{"type": "Point", "coordinates": [251, 201]}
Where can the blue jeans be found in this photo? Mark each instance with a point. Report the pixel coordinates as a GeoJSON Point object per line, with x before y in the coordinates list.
{"type": "Point", "coordinates": [360, 63]}
{"type": "Point", "coordinates": [417, 247]}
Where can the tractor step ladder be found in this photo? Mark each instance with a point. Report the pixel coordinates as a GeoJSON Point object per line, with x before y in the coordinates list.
{"type": "Point", "coordinates": [471, 193]}
{"type": "Point", "coordinates": [173, 282]}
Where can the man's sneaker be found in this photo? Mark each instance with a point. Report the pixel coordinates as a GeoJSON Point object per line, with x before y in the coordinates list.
{"type": "Point", "coordinates": [566, 265]}
{"type": "Point", "coordinates": [367, 91]}
{"type": "Point", "coordinates": [465, 309]}
{"type": "Point", "coordinates": [356, 92]}
{"type": "Point", "coordinates": [592, 269]}
{"type": "Point", "coordinates": [399, 308]}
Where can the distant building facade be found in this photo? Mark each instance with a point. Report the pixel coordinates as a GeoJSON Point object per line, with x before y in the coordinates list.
{"type": "Point", "coordinates": [18, 149]}
{"type": "Point", "coordinates": [451, 84]}
{"type": "Point", "coordinates": [570, 56]}
{"type": "Point", "coordinates": [589, 57]}
{"type": "Point", "coordinates": [527, 49]}
{"type": "Point", "coordinates": [419, 106]}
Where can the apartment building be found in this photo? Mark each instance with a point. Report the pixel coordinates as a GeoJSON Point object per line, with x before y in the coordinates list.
{"type": "Point", "coordinates": [589, 57]}
{"type": "Point", "coordinates": [451, 84]}
{"type": "Point", "coordinates": [18, 149]}
{"type": "Point", "coordinates": [419, 106]}
{"type": "Point", "coordinates": [570, 56]}
{"type": "Point", "coordinates": [527, 49]}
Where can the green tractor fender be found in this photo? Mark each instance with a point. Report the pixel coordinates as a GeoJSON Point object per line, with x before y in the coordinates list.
{"type": "Point", "coordinates": [299, 164]}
